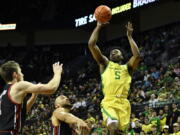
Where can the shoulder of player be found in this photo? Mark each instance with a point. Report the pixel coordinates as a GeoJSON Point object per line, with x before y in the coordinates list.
{"type": "Point", "coordinates": [20, 85]}
{"type": "Point", "coordinates": [103, 66]}
{"type": "Point", "coordinates": [59, 114]}
{"type": "Point", "coordinates": [54, 120]}
{"type": "Point", "coordinates": [125, 67]}
{"type": "Point", "coordinates": [59, 111]}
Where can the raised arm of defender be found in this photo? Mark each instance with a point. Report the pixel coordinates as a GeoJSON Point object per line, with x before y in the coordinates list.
{"type": "Point", "coordinates": [30, 102]}
{"type": "Point", "coordinates": [96, 52]}
{"type": "Point", "coordinates": [135, 59]}
{"type": "Point", "coordinates": [49, 88]}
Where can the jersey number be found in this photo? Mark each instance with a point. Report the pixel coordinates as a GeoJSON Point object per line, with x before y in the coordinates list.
{"type": "Point", "coordinates": [117, 74]}
{"type": "Point", "coordinates": [4, 93]}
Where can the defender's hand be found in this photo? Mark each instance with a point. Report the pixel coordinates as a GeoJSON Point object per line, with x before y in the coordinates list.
{"type": "Point", "coordinates": [57, 68]}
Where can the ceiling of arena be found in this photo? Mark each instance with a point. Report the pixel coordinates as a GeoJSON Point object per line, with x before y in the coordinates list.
{"type": "Point", "coordinates": [48, 12]}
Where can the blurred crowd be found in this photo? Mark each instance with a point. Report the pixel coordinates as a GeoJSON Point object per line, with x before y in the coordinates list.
{"type": "Point", "coordinates": [154, 94]}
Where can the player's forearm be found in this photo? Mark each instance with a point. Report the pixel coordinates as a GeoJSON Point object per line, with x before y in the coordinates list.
{"type": "Point", "coordinates": [30, 102]}
{"type": "Point", "coordinates": [134, 47]}
{"type": "Point", "coordinates": [94, 36]}
{"type": "Point", "coordinates": [54, 83]}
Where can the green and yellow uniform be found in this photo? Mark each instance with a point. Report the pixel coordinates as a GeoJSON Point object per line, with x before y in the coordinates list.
{"type": "Point", "coordinates": [116, 82]}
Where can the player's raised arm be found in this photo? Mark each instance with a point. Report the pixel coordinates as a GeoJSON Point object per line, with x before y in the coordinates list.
{"type": "Point", "coordinates": [135, 59]}
{"type": "Point", "coordinates": [49, 88]}
{"type": "Point", "coordinates": [96, 52]}
{"type": "Point", "coordinates": [30, 102]}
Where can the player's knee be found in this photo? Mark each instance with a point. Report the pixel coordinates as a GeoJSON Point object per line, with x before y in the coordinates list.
{"type": "Point", "coordinates": [112, 124]}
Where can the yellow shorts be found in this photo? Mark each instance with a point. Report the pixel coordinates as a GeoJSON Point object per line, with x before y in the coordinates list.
{"type": "Point", "coordinates": [120, 110]}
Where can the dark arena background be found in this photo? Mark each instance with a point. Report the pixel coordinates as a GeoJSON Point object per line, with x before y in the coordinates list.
{"type": "Point", "coordinates": [37, 33]}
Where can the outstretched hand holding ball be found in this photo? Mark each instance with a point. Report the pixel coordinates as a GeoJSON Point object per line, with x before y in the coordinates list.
{"type": "Point", "coordinates": [103, 14]}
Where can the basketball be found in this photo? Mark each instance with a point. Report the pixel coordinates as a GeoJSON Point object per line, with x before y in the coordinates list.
{"type": "Point", "coordinates": [103, 14]}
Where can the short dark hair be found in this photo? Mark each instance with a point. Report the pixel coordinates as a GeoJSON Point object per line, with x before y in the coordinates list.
{"type": "Point", "coordinates": [7, 69]}
{"type": "Point", "coordinates": [115, 47]}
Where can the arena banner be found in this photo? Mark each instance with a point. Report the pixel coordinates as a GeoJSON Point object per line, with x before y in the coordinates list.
{"type": "Point", "coordinates": [139, 3]}
{"type": "Point", "coordinates": [7, 26]}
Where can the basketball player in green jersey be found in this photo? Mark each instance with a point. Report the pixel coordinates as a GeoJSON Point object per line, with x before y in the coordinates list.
{"type": "Point", "coordinates": [116, 79]}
